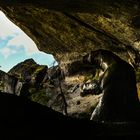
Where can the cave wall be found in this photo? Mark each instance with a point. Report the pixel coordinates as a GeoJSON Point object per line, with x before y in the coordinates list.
{"type": "Point", "coordinates": [69, 29]}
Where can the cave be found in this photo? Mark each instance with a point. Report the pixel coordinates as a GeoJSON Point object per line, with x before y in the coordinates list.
{"type": "Point", "coordinates": [16, 47]}
{"type": "Point", "coordinates": [71, 29]}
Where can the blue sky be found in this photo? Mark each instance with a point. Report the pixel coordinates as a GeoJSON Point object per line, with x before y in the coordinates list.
{"type": "Point", "coordinates": [16, 46]}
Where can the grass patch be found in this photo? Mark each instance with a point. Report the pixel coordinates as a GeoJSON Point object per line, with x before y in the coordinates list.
{"type": "Point", "coordinates": [40, 96]}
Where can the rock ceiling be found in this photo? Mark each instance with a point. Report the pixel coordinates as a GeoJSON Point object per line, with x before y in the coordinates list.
{"type": "Point", "coordinates": [70, 28]}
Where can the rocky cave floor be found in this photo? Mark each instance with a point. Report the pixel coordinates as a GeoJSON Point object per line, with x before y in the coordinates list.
{"type": "Point", "coordinates": [49, 87]}
{"type": "Point", "coordinates": [22, 117]}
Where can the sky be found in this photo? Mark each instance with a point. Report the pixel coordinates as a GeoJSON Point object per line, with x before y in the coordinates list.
{"type": "Point", "coordinates": [16, 46]}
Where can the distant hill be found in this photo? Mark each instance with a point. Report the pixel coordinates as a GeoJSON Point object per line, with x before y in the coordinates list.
{"type": "Point", "coordinates": [26, 69]}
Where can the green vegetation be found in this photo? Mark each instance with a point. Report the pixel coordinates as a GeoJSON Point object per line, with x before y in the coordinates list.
{"type": "Point", "coordinates": [88, 77]}
{"type": "Point", "coordinates": [91, 77]}
{"type": "Point", "coordinates": [40, 96]}
{"type": "Point", "coordinates": [39, 69]}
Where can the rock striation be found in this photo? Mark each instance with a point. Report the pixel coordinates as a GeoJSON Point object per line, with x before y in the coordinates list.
{"type": "Point", "coordinates": [69, 29]}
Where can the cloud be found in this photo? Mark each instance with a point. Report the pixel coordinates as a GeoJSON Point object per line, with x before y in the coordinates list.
{"type": "Point", "coordinates": [6, 52]}
{"type": "Point", "coordinates": [16, 46]}
{"type": "Point", "coordinates": [23, 41]}
{"type": "Point", "coordinates": [19, 38]}
{"type": "Point", "coordinates": [7, 28]}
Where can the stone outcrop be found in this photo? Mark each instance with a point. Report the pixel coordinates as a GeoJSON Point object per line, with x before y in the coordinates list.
{"type": "Point", "coordinates": [25, 70]}
{"type": "Point", "coordinates": [119, 101]}
{"type": "Point", "coordinates": [8, 83]}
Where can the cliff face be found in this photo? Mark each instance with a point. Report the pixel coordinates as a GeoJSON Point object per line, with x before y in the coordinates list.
{"type": "Point", "coordinates": [25, 70]}
{"type": "Point", "coordinates": [8, 83]}
{"type": "Point", "coordinates": [69, 29]}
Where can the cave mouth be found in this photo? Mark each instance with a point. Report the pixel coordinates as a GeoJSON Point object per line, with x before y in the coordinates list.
{"type": "Point", "coordinates": [16, 47]}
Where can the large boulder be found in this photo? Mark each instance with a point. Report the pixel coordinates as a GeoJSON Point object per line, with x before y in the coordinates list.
{"type": "Point", "coordinates": [29, 74]}
{"type": "Point", "coordinates": [119, 101]}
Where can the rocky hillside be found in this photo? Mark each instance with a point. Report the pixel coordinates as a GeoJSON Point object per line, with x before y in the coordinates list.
{"type": "Point", "coordinates": [50, 87]}
{"type": "Point", "coordinates": [25, 70]}
{"type": "Point", "coordinates": [24, 66]}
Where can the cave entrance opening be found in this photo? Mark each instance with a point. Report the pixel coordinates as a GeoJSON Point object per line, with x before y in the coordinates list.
{"type": "Point", "coordinates": [16, 46]}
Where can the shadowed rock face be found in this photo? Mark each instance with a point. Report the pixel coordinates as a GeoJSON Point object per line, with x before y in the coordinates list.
{"type": "Point", "coordinates": [118, 84]}
{"type": "Point", "coordinates": [23, 118]}
{"type": "Point", "coordinates": [8, 83]}
{"type": "Point", "coordinates": [69, 29]}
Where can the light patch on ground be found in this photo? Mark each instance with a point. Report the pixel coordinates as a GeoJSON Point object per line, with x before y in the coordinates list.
{"type": "Point", "coordinates": [85, 103]}
{"type": "Point", "coordinates": [74, 79]}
